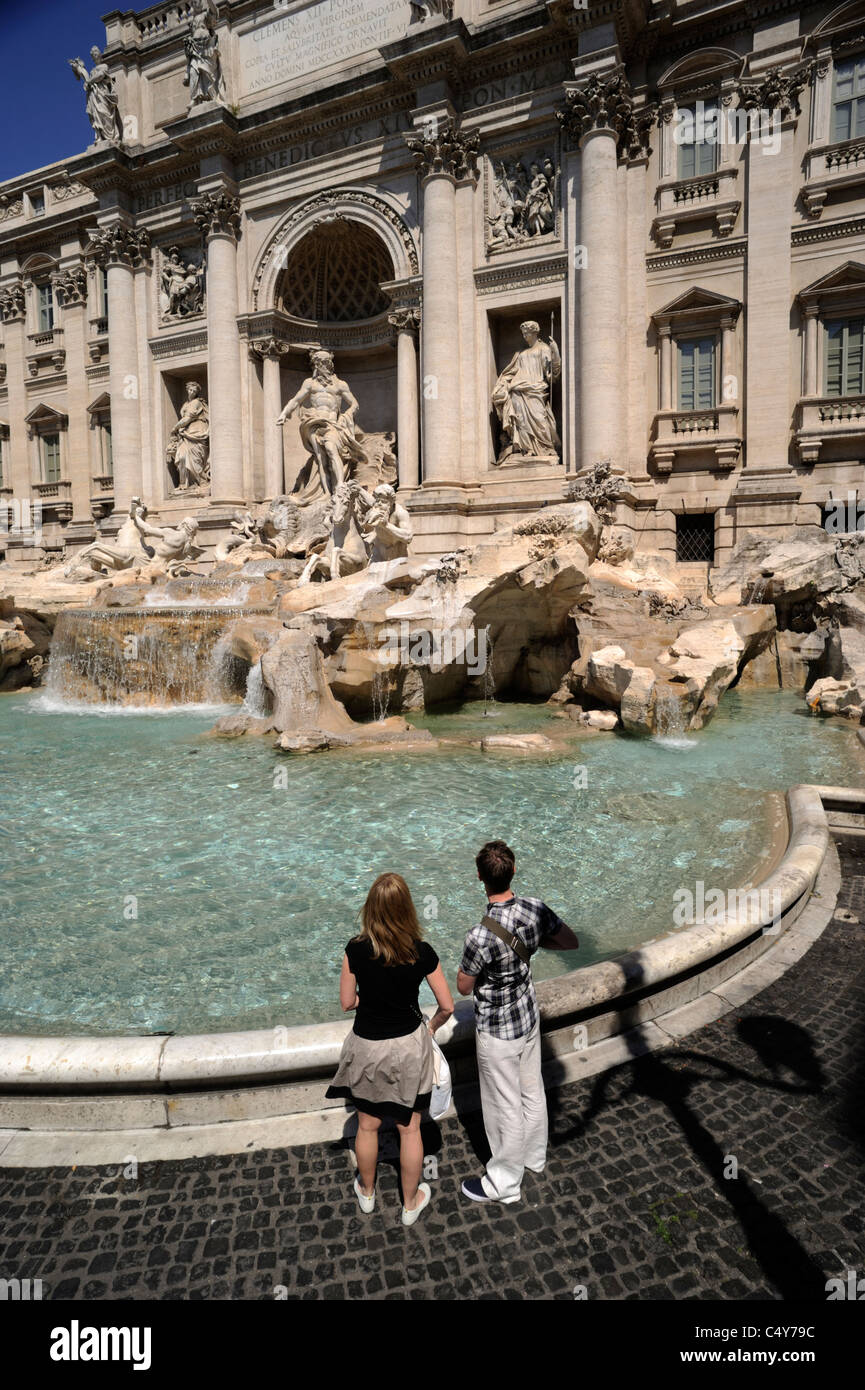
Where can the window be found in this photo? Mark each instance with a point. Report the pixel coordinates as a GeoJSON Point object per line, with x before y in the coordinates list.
{"type": "Point", "coordinates": [848, 106]}
{"type": "Point", "coordinates": [45, 304]}
{"type": "Point", "coordinates": [107, 451]}
{"type": "Point", "coordinates": [37, 204]}
{"type": "Point", "coordinates": [696, 133]}
{"type": "Point", "coordinates": [697, 374]}
{"type": "Point", "coordinates": [844, 357]}
{"type": "Point", "coordinates": [51, 458]}
{"type": "Point", "coordinates": [103, 291]}
{"type": "Point", "coordinates": [695, 539]}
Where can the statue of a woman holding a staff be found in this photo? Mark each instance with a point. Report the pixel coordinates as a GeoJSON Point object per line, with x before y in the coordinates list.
{"type": "Point", "coordinates": [521, 397]}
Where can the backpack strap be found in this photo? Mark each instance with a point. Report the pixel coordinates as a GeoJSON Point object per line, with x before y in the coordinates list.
{"type": "Point", "coordinates": [508, 937]}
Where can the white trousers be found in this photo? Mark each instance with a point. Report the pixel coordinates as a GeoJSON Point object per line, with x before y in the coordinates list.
{"type": "Point", "coordinates": [514, 1109]}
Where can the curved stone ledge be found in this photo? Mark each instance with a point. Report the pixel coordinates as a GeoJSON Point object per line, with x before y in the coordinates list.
{"type": "Point", "coordinates": [104, 1082]}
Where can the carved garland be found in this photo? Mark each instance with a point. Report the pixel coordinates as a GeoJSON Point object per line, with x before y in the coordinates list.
{"type": "Point", "coordinates": [71, 286]}
{"type": "Point", "coordinates": [13, 303]}
{"type": "Point", "coordinates": [329, 200]}
{"type": "Point", "coordinates": [776, 90]}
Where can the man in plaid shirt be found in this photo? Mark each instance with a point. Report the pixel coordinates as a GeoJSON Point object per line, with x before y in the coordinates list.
{"type": "Point", "coordinates": [508, 1027]}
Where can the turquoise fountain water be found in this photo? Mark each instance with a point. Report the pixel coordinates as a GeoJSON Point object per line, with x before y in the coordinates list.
{"type": "Point", "coordinates": [155, 879]}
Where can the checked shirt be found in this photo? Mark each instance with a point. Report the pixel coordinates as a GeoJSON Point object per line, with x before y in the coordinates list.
{"type": "Point", "coordinates": [505, 1003]}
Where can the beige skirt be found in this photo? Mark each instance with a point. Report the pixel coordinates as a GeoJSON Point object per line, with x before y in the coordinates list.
{"type": "Point", "coordinates": [387, 1077]}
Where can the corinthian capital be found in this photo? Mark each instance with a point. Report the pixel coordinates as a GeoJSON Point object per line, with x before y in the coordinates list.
{"type": "Point", "coordinates": [71, 286]}
{"type": "Point", "coordinates": [442, 149]}
{"type": "Point", "coordinates": [12, 303]}
{"type": "Point", "coordinates": [268, 347]}
{"type": "Point", "coordinates": [119, 245]}
{"type": "Point", "coordinates": [217, 214]}
{"type": "Point", "coordinates": [776, 91]}
{"type": "Point", "coordinates": [404, 320]}
{"type": "Point", "coordinates": [606, 103]}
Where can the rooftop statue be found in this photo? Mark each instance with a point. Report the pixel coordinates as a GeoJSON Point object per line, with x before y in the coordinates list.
{"type": "Point", "coordinates": [103, 111]}
{"type": "Point", "coordinates": [203, 67]}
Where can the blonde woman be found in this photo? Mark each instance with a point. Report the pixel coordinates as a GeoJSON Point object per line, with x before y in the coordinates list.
{"type": "Point", "coordinates": [386, 1066]}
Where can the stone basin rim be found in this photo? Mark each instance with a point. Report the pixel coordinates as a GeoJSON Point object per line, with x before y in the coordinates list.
{"type": "Point", "coordinates": [78, 1066]}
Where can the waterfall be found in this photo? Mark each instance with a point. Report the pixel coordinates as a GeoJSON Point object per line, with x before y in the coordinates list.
{"type": "Point", "coordinates": [146, 657]}
{"type": "Point", "coordinates": [757, 591]}
{"type": "Point", "coordinates": [258, 701]}
{"type": "Point", "coordinates": [489, 677]}
{"type": "Point", "coordinates": [670, 728]}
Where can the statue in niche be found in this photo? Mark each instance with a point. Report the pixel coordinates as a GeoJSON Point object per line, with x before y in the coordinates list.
{"type": "Point", "coordinates": [521, 397]}
{"type": "Point", "coordinates": [103, 111]}
{"type": "Point", "coordinates": [524, 197]}
{"type": "Point", "coordinates": [203, 67]}
{"type": "Point", "coordinates": [327, 409]}
{"type": "Point", "coordinates": [181, 286]}
{"type": "Point", "coordinates": [188, 452]}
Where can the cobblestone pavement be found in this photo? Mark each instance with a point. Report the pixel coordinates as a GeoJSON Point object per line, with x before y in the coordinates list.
{"type": "Point", "coordinates": [638, 1199]}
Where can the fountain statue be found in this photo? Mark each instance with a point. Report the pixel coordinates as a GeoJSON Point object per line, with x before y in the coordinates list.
{"type": "Point", "coordinates": [327, 427]}
{"type": "Point", "coordinates": [172, 546]}
{"type": "Point", "coordinates": [103, 111]}
{"type": "Point", "coordinates": [108, 557]}
{"type": "Point", "coordinates": [387, 529]}
{"type": "Point", "coordinates": [344, 551]}
{"type": "Point", "coordinates": [188, 449]}
{"type": "Point", "coordinates": [521, 397]}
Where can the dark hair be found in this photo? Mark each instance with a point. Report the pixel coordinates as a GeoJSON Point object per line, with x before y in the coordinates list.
{"type": "Point", "coordinates": [496, 866]}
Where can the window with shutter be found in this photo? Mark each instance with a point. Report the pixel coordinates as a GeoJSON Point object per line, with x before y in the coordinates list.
{"type": "Point", "coordinates": [698, 140]}
{"type": "Point", "coordinates": [697, 374]}
{"type": "Point", "coordinates": [848, 104]}
{"type": "Point", "coordinates": [51, 457]}
{"type": "Point", "coordinates": [845, 358]}
{"type": "Point", "coordinates": [46, 308]}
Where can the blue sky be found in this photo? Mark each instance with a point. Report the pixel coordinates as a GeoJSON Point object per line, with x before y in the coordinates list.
{"type": "Point", "coordinates": [42, 116]}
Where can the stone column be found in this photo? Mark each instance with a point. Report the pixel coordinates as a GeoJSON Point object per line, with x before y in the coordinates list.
{"type": "Point", "coordinates": [271, 350]}
{"type": "Point", "coordinates": [218, 217]}
{"type": "Point", "coordinates": [665, 399]}
{"type": "Point", "coordinates": [729, 376]}
{"type": "Point", "coordinates": [769, 289]}
{"type": "Point", "coordinates": [405, 321]}
{"type": "Point", "coordinates": [442, 158]}
{"type": "Point", "coordinates": [121, 248]}
{"type": "Point", "coordinates": [599, 117]}
{"type": "Point", "coordinates": [812, 382]}
{"type": "Point", "coordinates": [70, 290]}
{"type": "Point", "coordinates": [16, 473]}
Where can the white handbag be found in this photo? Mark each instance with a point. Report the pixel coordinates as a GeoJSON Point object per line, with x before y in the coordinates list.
{"type": "Point", "coordinates": [442, 1091]}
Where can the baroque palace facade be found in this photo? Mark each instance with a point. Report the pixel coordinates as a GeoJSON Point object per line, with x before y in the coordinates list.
{"type": "Point", "coordinates": [671, 192]}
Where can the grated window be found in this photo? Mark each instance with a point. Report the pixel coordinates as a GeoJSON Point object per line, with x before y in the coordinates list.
{"type": "Point", "coordinates": [695, 538]}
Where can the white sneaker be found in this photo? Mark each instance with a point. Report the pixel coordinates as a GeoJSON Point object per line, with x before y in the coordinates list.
{"type": "Point", "coordinates": [425, 1194]}
{"type": "Point", "coordinates": [367, 1204]}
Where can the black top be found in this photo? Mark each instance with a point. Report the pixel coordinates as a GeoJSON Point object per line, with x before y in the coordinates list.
{"type": "Point", "coordinates": [387, 994]}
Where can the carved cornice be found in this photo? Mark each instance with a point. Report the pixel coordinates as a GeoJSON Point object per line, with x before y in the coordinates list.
{"type": "Point", "coordinates": [698, 255]}
{"type": "Point", "coordinates": [827, 231]}
{"type": "Point", "coordinates": [119, 245]}
{"type": "Point", "coordinates": [13, 303]}
{"type": "Point", "coordinates": [606, 103]}
{"type": "Point", "coordinates": [216, 214]}
{"type": "Point", "coordinates": [71, 286]}
{"type": "Point", "coordinates": [180, 344]}
{"type": "Point", "coordinates": [447, 151]}
{"type": "Point", "coordinates": [518, 275]}
{"type": "Point", "coordinates": [776, 90]}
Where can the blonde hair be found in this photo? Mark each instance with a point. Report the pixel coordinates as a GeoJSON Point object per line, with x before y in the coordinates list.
{"type": "Point", "coordinates": [390, 922]}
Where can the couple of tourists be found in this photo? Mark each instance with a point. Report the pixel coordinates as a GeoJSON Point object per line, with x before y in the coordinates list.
{"type": "Point", "coordinates": [386, 1066]}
